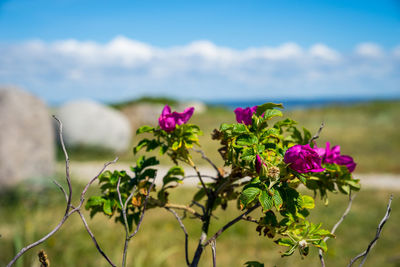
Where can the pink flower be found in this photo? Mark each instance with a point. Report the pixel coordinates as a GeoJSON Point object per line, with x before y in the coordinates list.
{"type": "Point", "coordinates": [303, 159]}
{"type": "Point", "coordinates": [333, 156]}
{"type": "Point", "coordinates": [244, 115]}
{"type": "Point", "coordinates": [168, 120]}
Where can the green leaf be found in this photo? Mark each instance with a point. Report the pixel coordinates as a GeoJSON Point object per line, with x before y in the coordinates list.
{"type": "Point", "coordinates": [307, 202]}
{"type": "Point", "coordinates": [287, 242]}
{"type": "Point", "coordinates": [320, 244]}
{"type": "Point", "coordinates": [248, 154]}
{"type": "Point", "coordinates": [175, 145]}
{"type": "Point", "coordinates": [94, 201]}
{"type": "Point", "coordinates": [176, 170]}
{"type": "Point", "coordinates": [270, 113]}
{"type": "Point", "coordinates": [225, 127]}
{"type": "Point", "coordinates": [277, 199]}
{"type": "Point", "coordinates": [249, 194]}
{"type": "Point", "coordinates": [266, 201]}
{"type": "Point", "coordinates": [107, 206]}
{"type": "Point", "coordinates": [239, 128]}
{"type": "Point", "coordinates": [254, 264]}
{"type": "Point", "coordinates": [262, 108]}
{"type": "Point", "coordinates": [145, 129]}
{"type": "Point", "coordinates": [247, 140]}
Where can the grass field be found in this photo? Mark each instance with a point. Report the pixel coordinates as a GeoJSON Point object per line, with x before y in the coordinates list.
{"type": "Point", "coordinates": [28, 215]}
{"type": "Point", "coordinates": [370, 132]}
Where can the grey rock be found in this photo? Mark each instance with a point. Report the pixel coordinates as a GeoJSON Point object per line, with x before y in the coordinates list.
{"type": "Point", "coordinates": [199, 107]}
{"type": "Point", "coordinates": [143, 114]}
{"type": "Point", "coordinates": [26, 137]}
{"type": "Point", "coordinates": [91, 124]}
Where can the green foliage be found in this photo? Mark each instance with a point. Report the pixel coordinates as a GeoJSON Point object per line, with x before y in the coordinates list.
{"type": "Point", "coordinates": [272, 185]}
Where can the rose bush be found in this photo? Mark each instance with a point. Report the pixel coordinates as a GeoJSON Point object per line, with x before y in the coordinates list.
{"type": "Point", "coordinates": [267, 159]}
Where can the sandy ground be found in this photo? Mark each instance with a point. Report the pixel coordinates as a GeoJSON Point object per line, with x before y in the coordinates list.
{"type": "Point", "coordinates": [87, 170]}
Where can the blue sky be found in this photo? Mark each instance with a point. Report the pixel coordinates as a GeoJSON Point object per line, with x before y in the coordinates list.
{"type": "Point", "coordinates": [111, 50]}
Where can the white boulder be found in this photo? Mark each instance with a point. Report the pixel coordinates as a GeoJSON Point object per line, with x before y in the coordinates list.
{"type": "Point", "coordinates": [91, 124]}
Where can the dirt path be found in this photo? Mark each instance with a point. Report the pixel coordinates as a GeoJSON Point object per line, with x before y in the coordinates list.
{"type": "Point", "coordinates": [87, 170]}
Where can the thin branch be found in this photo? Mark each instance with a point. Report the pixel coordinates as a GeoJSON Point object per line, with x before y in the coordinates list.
{"type": "Point", "coordinates": [195, 176]}
{"type": "Point", "coordinates": [320, 252]}
{"type": "Point", "coordinates": [199, 205]}
{"type": "Point", "coordinates": [144, 209]}
{"type": "Point", "coordinates": [191, 163]}
{"type": "Point", "coordinates": [364, 254]}
{"type": "Point", "coordinates": [214, 252]}
{"type": "Point", "coordinates": [185, 232]}
{"type": "Point", "coordinates": [62, 189]}
{"type": "Point", "coordinates": [203, 155]}
{"type": "Point", "coordinates": [82, 199]}
{"type": "Point", "coordinates": [68, 211]}
{"type": "Point", "coordinates": [185, 208]}
{"type": "Point", "coordinates": [229, 224]}
{"type": "Point", "coordinates": [94, 239]}
{"type": "Point", "coordinates": [67, 174]}
{"type": "Point", "coordinates": [316, 136]}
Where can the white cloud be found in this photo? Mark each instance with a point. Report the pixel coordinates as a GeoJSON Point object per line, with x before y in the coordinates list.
{"type": "Point", "coordinates": [321, 51]}
{"type": "Point", "coordinates": [124, 67]}
{"type": "Point", "coordinates": [370, 50]}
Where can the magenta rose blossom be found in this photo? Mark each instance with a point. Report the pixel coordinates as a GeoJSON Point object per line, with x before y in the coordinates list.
{"type": "Point", "coordinates": [303, 159]}
{"type": "Point", "coordinates": [332, 156]}
{"type": "Point", "coordinates": [168, 120]}
{"type": "Point", "coordinates": [243, 115]}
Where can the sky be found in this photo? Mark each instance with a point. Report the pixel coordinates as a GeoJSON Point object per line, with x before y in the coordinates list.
{"type": "Point", "coordinates": [208, 50]}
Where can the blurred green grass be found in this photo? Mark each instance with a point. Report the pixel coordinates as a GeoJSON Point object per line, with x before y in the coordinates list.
{"type": "Point", "coordinates": [28, 214]}
{"type": "Point", "coordinates": [370, 132]}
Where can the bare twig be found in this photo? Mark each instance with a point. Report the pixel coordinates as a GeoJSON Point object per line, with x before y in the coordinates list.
{"type": "Point", "coordinates": [199, 205]}
{"type": "Point", "coordinates": [185, 208]}
{"type": "Point", "coordinates": [203, 155]}
{"type": "Point", "coordinates": [214, 252]}
{"type": "Point", "coordinates": [129, 236]}
{"type": "Point", "coordinates": [195, 176]}
{"type": "Point", "coordinates": [320, 252]}
{"type": "Point", "coordinates": [229, 224]}
{"type": "Point", "coordinates": [68, 211]}
{"type": "Point", "coordinates": [364, 254]}
{"type": "Point", "coordinates": [93, 238]}
{"type": "Point", "coordinates": [185, 231]}
{"type": "Point", "coordinates": [62, 189]}
{"type": "Point", "coordinates": [316, 136]}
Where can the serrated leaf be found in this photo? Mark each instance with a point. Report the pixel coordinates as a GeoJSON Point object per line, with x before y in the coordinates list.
{"type": "Point", "coordinates": [248, 195]}
{"type": "Point", "coordinates": [145, 129]}
{"type": "Point", "coordinates": [270, 113]}
{"type": "Point", "coordinates": [239, 128]}
{"type": "Point", "coordinates": [262, 108]}
{"type": "Point", "coordinates": [175, 145]}
{"type": "Point", "coordinates": [225, 127]}
{"type": "Point", "coordinates": [277, 199]}
{"type": "Point", "coordinates": [247, 140]}
{"type": "Point", "coordinates": [266, 201]}
{"type": "Point", "coordinates": [248, 154]}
